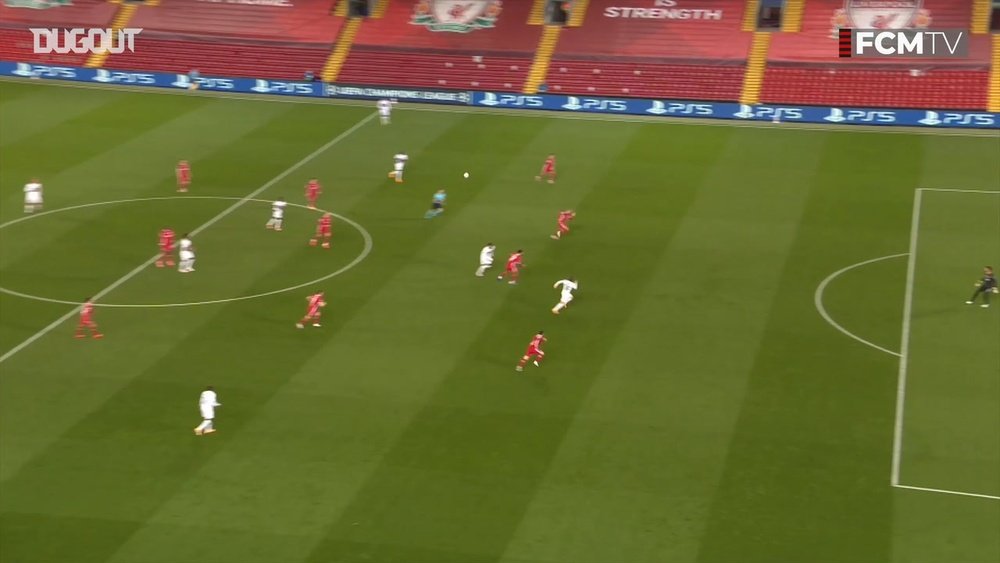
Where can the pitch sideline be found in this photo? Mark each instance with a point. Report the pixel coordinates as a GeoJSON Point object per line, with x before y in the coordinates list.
{"type": "Point", "coordinates": [550, 114]}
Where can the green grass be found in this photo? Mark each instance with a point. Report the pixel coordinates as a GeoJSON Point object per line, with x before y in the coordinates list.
{"type": "Point", "coordinates": [693, 405]}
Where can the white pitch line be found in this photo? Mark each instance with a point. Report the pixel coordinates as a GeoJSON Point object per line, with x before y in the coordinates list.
{"type": "Point", "coordinates": [904, 342]}
{"type": "Point", "coordinates": [547, 114]}
{"type": "Point", "coordinates": [225, 212]}
{"type": "Point", "coordinates": [947, 492]}
{"type": "Point", "coordinates": [818, 302]}
{"type": "Point", "coordinates": [959, 191]}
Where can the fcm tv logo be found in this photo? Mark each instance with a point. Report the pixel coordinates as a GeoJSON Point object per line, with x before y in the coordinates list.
{"type": "Point", "coordinates": [904, 43]}
{"type": "Point", "coordinates": [80, 41]}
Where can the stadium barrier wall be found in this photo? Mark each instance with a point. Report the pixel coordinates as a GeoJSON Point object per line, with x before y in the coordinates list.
{"type": "Point", "coordinates": [942, 118]}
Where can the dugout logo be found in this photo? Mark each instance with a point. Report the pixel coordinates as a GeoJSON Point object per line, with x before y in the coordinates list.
{"type": "Point", "coordinates": [82, 41]}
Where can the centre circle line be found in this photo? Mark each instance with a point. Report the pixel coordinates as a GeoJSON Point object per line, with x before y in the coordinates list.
{"type": "Point", "coordinates": [365, 235]}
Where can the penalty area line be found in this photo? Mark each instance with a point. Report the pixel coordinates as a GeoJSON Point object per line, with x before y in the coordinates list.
{"type": "Point", "coordinates": [947, 492]}
{"type": "Point", "coordinates": [224, 213]}
{"type": "Point", "coordinates": [821, 309]}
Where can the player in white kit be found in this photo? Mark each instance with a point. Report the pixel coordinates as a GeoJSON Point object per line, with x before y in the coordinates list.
{"type": "Point", "coordinates": [33, 196]}
{"type": "Point", "coordinates": [277, 214]}
{"type": "Point", "coordinates": [385, 110]}
{"type": "Point", "coordinates": [568, 287]}
{"type": "Point", "coordinates": [206, 404]}
{"type": "Point", "coordinates": [186, 263]}
{"type": "Point", "coordinates": [486, 259]}
{"type": "Point", "coordinates": [398, 163]}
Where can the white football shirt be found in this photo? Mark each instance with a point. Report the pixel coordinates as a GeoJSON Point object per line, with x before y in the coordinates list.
{"type": "Point", "coordinates": [486, 254]}
{"type": "Point", "coordinates": [567, 286]}
{"type": "Point", "coordinates": [208, 399]}
{"type": "Point", "coordinates": [278, 209]}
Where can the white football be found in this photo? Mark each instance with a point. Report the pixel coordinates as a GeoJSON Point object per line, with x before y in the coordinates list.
{"type": "Point", "coordinates": [466, 175]}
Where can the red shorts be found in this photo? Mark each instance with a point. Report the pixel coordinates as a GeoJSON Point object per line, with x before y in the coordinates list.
{"type": "Point", "coordinates": [311, 196]}
{"type": "Point", "coordinates": [324, 233]}
{"type": "Point", "coordinates": [184, 180]}
{"type": "Point", "coordinates": [532, 352]}
{"type": "Point", "coordinates": [312, 313]}
{"type": "Point", "coordinates": [87, 321]}
{"type": "Point", "coordinates": [549, 170]}
{"type": "Point", "coordinates": [166, 249]}
{"type": "Point", "coordinates": [564, 227]}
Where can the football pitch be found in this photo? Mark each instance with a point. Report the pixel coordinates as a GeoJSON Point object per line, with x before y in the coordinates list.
{"type": "Point", "coordinates": [769, 358]}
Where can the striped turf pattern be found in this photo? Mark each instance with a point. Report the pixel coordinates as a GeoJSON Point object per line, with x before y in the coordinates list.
{"type": "Point", "coordinates": [693, 406]}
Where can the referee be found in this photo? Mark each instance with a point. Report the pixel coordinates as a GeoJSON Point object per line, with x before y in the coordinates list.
{"type": "Point", "coordinates": [986, 286]}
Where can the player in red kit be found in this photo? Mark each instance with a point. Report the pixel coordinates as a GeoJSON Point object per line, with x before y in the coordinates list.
{"type": "Point", "coordinates": [312, 192]}
{"type": "Point", "coordinates": [548, 170]}
{"type": "Point", "coordinates": [514, 263]}
{"type": "Point", "coordinates": [87, 321]}
{"type": "Point", "coordinates": [183, 176]}
{"type": "Point", "coordinates": [166, 249]}
{"type": "Point", "coordinates": [563, 223]}
{"type": "Point", "coordinates": [534, 352]}
{"type": "Point", "coordinates": [324, 230]}
{"type": "Point", "coordinates": [316, 302]}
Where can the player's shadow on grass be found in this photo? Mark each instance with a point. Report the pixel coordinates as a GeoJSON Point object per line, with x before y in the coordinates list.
{"type": "Point", "coordinates": [538, 380]}
{"type": "Point", "coordinates": [937, 312]}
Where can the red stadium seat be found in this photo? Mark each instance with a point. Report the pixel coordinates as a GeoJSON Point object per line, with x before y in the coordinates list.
{"type": "Point", "coordinates": [221, 58]}
{"type": "Point", "coordinates": [429, 70]}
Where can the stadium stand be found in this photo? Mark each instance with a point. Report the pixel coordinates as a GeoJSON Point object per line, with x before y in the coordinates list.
{"type": "Point", "coordinates": [700, 55]}
{"type": "Point", "coordinates": [81, 13]}
{"type": "Point", "coordinates": [16, 41]}
{"type": "Point", "coordinates": [268, 41]}
{"type": "Point", "coordinates": [803, 68]}
{"type": "Point", "coordinates": [221, 58]}
{"type": "Point", "coordinates": [403, 48]}
{"type": "Point", "coordinates": [307, 22]}
{"type": "Point", "coordinates": [699, 52]}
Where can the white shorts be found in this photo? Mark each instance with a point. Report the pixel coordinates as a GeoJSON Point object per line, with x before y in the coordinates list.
{"type": "Point", "coordinates": [566, 298]}
{"type": "Point", "coordinates": [187, 255]}
{"type": "Point", "coordinates": [384, 112]}
{"type": "Point", "coordinates": [33, 198]}
{"type": "Point", "coordinates": [277, 215]}
{"type": "Point", "coordinates": [399, 166]}
{"type": "Point", "coordinates": [208, 413]}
